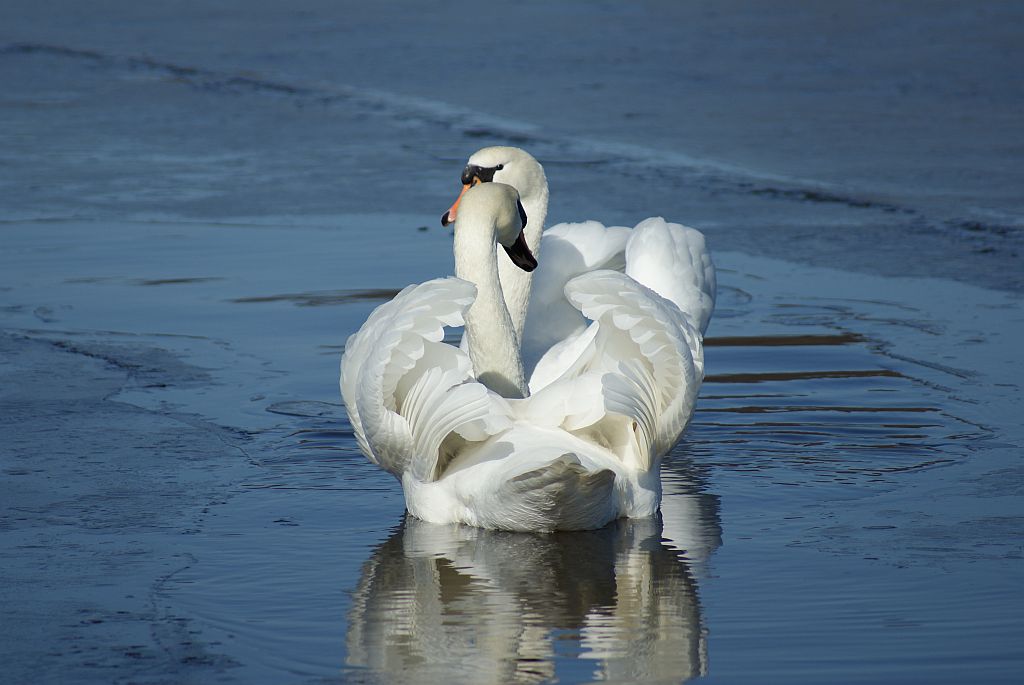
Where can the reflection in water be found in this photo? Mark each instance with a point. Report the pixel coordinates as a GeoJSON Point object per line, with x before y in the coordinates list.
{"type": "Point", "coordinates": [458, 604]}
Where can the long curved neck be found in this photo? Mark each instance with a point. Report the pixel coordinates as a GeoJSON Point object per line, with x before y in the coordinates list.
{"type": "Point", "coordinates": [493, 343]}
{"type": "Point", "coordinates": [515, 282]}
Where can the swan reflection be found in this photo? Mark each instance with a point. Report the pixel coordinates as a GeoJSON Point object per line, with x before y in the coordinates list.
{"type": "Point", "coordinates": [457, 604]}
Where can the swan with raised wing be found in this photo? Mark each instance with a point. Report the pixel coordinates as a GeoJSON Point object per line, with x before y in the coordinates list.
{"type": "Point", "coordinates": [469, 438]}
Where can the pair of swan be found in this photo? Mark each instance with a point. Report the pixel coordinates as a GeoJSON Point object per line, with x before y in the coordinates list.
{"type": "Point", "coordinates": [571, 382]}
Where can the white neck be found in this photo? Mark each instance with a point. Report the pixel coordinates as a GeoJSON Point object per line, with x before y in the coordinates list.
{"type": "Point", "coordinates": [515, 283]}
{"type": "Point", "coordinates": [493, 343]}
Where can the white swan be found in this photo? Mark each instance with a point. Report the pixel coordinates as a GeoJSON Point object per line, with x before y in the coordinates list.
{"type": "Point", "coordinates": [584, 447]}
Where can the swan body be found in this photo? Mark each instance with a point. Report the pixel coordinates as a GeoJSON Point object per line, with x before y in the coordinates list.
{"type": "Point", "coordinates": [554, 414]}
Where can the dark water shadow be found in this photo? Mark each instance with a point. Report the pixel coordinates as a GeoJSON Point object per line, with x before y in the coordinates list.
{"type": "Point", "coordinates": [323, 298]}
{"type": "Point", "coordinates": [456, 604]}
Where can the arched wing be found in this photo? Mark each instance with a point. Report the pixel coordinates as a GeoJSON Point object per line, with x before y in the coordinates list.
{"type": "Point", "coordinates": [670, 259]}
{"type": "Point", "coordinates": [673, 261]}
{"type": "Point", "coordinates": [651, 362]}
{"type": "Point", "coordinates": [406, 390]}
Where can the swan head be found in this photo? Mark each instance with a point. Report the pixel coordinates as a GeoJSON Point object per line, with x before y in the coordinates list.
{"type": "Point", "coordinates": [500, 164]}
{"type": "Point", "coordinates": [497, 205]}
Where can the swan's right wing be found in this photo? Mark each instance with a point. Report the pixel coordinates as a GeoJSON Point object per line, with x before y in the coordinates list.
{"type": "Point", "coordinates": [670, 259]}
{"type": "Point", "coordinates": [673, 261]}
{"type": "Point", "coordinates": [651, 361]}
{"type": "Point", "coordinates": [406, 390]}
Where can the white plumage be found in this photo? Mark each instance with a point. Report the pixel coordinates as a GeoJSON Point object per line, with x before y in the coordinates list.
{"type": "Point", "coordinates": [611, 347]}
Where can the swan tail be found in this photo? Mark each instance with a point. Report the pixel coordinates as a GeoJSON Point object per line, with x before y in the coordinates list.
{"type": "Point", "coordinates": [406, 390]}
{"type": "Point", "coordinates": [651, 358]}
{"type": "Point", "coordinates": [673, 261]}
{"type": "Point", "coordinates": [561, 495]}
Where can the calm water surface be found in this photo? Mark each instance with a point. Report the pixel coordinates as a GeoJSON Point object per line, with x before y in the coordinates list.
{"type": "Point", "coordinates": [839, 505]}
{"type": "Point", "coordinates": [202, 205]}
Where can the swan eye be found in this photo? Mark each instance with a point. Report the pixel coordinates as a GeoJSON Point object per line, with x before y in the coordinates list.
{"type": "Point", "coordinates": [499, 167]}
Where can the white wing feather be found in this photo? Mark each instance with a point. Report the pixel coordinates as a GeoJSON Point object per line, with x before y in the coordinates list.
{"type": "Point", "coordinates": [673, 261]}
{"type": "Point", "coordinates": [406, 391]}
{"type": "Point", "coordinates": [569, 250]}
{"type": "Point", "coordinates": [670, 259]}
{"type": "Point", "coordinates": [651, 358]}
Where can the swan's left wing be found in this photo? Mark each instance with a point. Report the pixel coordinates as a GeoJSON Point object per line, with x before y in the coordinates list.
{"type": "Point", "coordinates": [406, 390]}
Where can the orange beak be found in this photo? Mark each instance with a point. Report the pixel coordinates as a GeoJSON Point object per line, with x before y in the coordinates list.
{"type": "Point", "coordinates": [449, 216]}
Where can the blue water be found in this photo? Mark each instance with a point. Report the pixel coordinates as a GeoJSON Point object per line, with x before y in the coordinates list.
{"type": "Point", "coordinates": [195, 222]}
{"type": "Point", "coordinates": [844, 501]}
